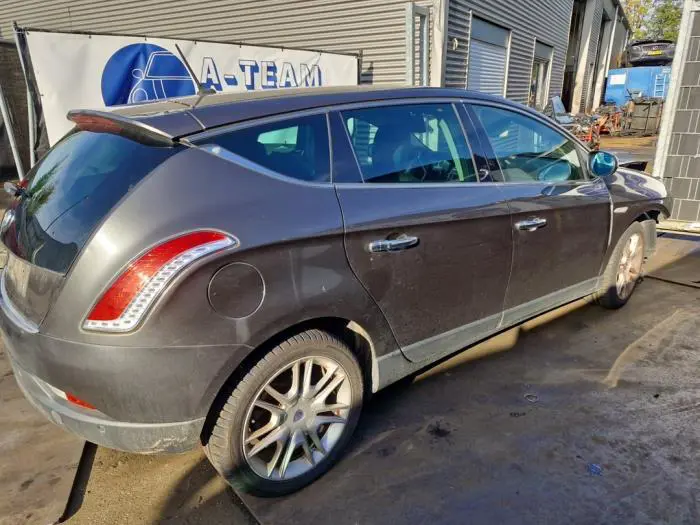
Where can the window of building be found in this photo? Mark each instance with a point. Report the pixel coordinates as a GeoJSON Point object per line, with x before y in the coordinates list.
{"type": "Point", "coordinates": [295, 147]}
{"type": "Point", "coordinates": [409, 144]}
{"type": "Point", "coordinates": [488, 58]}
{"type": "Point", "coordinates": [528, 150]}
{"type": "Point", "coordinates": [539, 82]}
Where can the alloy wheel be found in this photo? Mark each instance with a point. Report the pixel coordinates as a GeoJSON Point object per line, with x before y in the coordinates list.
{"type": "Point", "coordinates": [630, 266]}
{"type": "Point", "coordinates": [297, 418]}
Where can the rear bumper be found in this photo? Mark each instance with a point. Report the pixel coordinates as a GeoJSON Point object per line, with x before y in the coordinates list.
{"type": "Point", "coordinates": [651, 60]}
{"type": "Point", "coordinates": [148, 399]}
{"type": "Point", "coordinates": [95, 427]}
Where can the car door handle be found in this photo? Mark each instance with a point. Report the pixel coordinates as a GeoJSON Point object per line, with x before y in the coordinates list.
{"type": "Point", "coordinates": [530, 225]}
{"type": "Point", "coordinates": [402, 242]}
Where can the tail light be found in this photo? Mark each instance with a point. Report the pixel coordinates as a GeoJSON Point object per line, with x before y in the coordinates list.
{"type": "Point", "coordinates": [122, 307]}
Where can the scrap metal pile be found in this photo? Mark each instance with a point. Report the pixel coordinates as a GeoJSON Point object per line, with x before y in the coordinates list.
{"type": "Point", "coordinates": [638, 117]}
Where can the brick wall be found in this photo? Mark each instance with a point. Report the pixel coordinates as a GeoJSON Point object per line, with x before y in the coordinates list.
{"type": "Point", "coordinates": [682, 169]}
{"type": "Point", "coordinates": [15, 92]}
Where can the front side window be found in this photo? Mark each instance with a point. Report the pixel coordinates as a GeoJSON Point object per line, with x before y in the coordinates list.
{"type": "Point", "coordinates": [528, 150]}
{"type": "Point", "coordinates": [410, 144]}
{"type": "Point", "coordinates": [295, 147]}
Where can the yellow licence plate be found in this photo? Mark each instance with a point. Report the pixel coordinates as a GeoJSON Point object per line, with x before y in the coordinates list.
{"type": "Point", "coordinates": [654, 53]}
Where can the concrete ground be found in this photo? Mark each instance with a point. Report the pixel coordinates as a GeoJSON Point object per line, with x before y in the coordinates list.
{"type": "Point", "coordinates": [38, 460]}
{"type": "Point", "coordinates": [582, 415]}
{"type": "Point", "coordinates": [630, 149]}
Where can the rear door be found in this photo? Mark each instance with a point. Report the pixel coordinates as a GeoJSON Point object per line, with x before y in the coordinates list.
{"type": "Point", "coordinates": [431, 243]}
{"type": "Point", "coordinates": [560, 216]}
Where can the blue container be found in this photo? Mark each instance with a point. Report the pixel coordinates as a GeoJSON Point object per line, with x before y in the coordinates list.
{"type": "Point", "coordinates": [646, 81]}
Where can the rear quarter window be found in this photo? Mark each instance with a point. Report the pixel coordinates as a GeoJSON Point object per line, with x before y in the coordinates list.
{"type": "Point", "coordinates": [296, 147]}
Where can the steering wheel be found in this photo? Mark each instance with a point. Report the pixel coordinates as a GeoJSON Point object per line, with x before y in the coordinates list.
{"type": "Point", "coordinates": [417, 169]}
{"type": "Point", "coordinates": [557, 171]}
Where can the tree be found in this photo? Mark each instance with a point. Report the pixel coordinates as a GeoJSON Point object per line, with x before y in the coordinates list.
{"type": "Point", "coordinates": [665, 20]}
{"type": "Point", "coordinates": [654, 19]}
{"type": "Point", "coordinates": [637, 12]}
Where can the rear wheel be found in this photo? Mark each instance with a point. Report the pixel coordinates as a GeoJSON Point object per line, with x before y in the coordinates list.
{"type": "Point", "coordinates": [289, 419]}
{"type": "Point", "coordinates": [624, 269]}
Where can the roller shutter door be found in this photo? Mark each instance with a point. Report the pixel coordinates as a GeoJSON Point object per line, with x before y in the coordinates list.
{"type": "Point", "coordinates": [487, 68]}
{"type": "Point", "coordinates": [488, 57]}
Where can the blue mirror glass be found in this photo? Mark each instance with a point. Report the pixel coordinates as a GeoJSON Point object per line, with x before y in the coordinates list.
{"type": "Point", "coordinates": [603, 164]}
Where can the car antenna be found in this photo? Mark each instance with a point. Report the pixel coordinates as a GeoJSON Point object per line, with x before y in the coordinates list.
{"type": "Point", "coordinates": [202, 90]}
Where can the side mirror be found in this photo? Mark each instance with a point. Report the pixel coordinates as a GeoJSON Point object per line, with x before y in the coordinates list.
{"type": "Point", "coordinates": [602, 163]}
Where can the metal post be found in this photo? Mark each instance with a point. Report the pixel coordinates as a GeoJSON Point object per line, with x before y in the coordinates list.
{"type": "Point", "coordinates": [11, 134]}
{"type": "Point", "coordinates": [31, 116]}
{"type": "Point", "coordinates": [469, 50]}
{"type": "Point", "coordinates": [410, 43]}
{"type": "Point", "coordinates": [413, 10]}
{"type": "Point", "coordinates": [425, 37]}
{"type": "Point", "coordinates": [359, 67]}
{"type": "Point", "coordinates": [439, 43]}
{"type": "Point", "coordinates": [612, 42]}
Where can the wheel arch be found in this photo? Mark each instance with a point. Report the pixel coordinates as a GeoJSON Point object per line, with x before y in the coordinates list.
{"type": "Point", "coordinates": [649, 219]}
{"type": "Point", "coordinates": [349, 331]}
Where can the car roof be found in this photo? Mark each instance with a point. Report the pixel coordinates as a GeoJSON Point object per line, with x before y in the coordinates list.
{"type": "Point", "coordinates": [186, 115]}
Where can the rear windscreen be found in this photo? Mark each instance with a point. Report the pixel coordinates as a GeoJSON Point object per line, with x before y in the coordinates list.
{"type": "Point", "coordinates": [71, 190]}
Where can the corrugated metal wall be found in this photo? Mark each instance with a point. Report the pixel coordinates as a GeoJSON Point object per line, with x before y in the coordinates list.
{"type": "Point", "coordinates": [458, 31]}
{"type": "Point", "coordinates": [589, 75]}
{"type": "Point", "coordinates": [548, 22]}
{"type": "Point", "coordinates": [377, 27]}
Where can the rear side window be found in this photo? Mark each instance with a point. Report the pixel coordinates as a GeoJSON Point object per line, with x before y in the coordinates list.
{"type": "Point", "coordinates": [72, 189]}
{"type": "Point", "coordinates": [295, 147]}
{"type": "Point", "coordinates": [410, 144]}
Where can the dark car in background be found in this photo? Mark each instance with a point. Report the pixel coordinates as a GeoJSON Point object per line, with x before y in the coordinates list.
{"type": "Point", "coordinates": [649, 53]}
{"type": "Point", "coordinates": [244, 270]}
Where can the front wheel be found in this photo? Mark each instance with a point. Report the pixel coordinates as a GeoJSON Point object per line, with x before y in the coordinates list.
{"type": "Point", "coordinates": [289, 419]}
{"type": "Point", "coordinates": [624, 269]}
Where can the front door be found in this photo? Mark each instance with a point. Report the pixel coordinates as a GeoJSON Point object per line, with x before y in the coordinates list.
{"type": "Point", "coordinates": [560, 216]}
{"type": "Point", "coordinates": [431, 244]}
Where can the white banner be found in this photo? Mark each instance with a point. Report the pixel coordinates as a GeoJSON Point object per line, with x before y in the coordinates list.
{"type": "Point", "coordinates": [75, 71]}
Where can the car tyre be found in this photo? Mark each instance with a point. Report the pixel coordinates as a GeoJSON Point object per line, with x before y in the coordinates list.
{"type": "Point", "coordinates": [624, 269]}
{"type": "Point", "coordinates": [287, 418]}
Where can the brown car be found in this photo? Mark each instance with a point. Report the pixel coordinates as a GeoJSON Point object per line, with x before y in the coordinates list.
{"type": "Point", "coordinates": [243, 271]}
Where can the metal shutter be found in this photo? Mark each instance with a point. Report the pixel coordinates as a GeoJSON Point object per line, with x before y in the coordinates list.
{"type": "Point", "coordinates": [487, 68]}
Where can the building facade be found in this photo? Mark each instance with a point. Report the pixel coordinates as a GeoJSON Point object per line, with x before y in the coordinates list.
{"type": "Point", "coordinates": [678, 154]}
{"type": "Point", "coordinates": [527, 51]}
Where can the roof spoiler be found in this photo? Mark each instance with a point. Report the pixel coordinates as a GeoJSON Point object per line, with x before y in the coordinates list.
{"type": "Point", "coordinates": [105, 122]}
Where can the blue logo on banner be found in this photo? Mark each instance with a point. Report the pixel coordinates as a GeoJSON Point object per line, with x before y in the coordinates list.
{"type": "Point", "coordinates": [142, 72]}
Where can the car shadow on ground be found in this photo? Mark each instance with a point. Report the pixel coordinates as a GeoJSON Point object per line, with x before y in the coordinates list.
{"type": "Point", "coordinates": [200, 497]}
